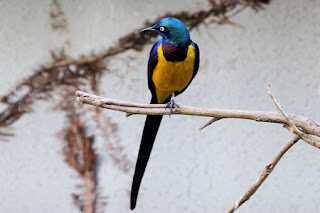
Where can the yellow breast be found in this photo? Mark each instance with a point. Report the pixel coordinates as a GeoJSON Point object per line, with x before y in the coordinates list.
{"type": "Point", "coordinates": [169, 77]}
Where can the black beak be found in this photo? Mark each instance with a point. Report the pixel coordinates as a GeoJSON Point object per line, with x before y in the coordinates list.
{"type": "Point", "coordinates": [148, 29]}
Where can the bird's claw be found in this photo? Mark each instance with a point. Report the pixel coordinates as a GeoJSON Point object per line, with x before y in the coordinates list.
{"type": "Point", "coordinates": [172, 104]}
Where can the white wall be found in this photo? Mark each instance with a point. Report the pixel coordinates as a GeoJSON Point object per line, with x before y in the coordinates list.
{"type": "Point", "coordinates": [189, 171]}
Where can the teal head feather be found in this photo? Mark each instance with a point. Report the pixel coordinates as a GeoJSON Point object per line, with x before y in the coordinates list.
{"type": "Point", "coordinates": [172, 31]}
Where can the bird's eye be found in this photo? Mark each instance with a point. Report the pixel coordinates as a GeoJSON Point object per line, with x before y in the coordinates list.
{"type": "Point", "coordinates": [161, 29]}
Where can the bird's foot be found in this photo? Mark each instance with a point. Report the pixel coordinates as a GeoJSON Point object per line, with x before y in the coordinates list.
{"type": "Point", "coordinates": [172, 104]}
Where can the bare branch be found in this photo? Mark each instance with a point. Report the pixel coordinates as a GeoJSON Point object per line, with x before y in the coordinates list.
{"type": "Point", "coordinates": [266, 172]}
{"type": "Point", "coordinates": [302, 127]}
{"type": "Point", "coordinates": [291, 126]}
{"type": "Point", "coordinates": [209, 123]}
{"type": "Point", "coordinates": [306, 125]}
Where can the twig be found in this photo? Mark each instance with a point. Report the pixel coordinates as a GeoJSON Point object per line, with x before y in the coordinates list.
{"type": "Point", "coordinates": [306, 125]}
{"type": "Point", "coordinates": [267, 171]}
{"type": "Point", "coordinates": [291, 126]}
{"type": "Point", "coordinates": [209, 123]}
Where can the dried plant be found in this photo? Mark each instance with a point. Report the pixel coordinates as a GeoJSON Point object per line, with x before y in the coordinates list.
{"type": "Point", "coordinates": [112, 140]}
{"type": "Point", "coordinates": [79, 153]}
{"type": "Point", "coordinates": [57, 17]}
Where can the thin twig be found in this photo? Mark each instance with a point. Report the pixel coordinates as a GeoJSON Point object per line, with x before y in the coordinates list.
{"type": "Point", "coordinates": [307, 125]}
{"type": "Point", "coordinates": [209, 123]}
{"type": "Point", "coordinates": [267, 171]}
{"type": "Point", "coordinates": [291, 126]}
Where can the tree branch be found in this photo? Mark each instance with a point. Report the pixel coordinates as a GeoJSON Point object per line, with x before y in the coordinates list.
{"type": "Point", "coordinates": [301, 126]}
{"type": "Point", "coordinates": [306, 125]}
{"type": "Point", "coordinates": [291, 126]}
{"type": "Point", "coordinates": [209, 123]}
{"type": "Point", "coordinates": [266, 172]}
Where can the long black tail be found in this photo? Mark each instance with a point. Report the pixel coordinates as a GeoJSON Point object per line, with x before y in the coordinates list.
{"type": "Point", "coordinates": [150, 130]}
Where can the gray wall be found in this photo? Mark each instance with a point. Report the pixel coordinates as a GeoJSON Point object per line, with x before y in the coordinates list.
{"type": "Point", "coordinates": [189, 171]}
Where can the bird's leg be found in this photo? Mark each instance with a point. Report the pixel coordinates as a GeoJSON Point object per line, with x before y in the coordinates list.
{"type": "Point", "coordinates": [172, 104]}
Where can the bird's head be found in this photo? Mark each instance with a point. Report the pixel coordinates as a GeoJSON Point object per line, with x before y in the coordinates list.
{"type": "Point", "coordinates": [172, 30]}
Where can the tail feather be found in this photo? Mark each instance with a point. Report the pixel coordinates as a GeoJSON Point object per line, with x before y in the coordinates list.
{"type": "Point", "coordinates": [150, 131]}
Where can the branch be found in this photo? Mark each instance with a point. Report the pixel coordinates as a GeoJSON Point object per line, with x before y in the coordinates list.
{"type": "Point", "coordinates": [209, 123]}
{"type": "Point", "coordinates": [301, 126]}
{"type": "Point", "coordinates": [267, 171]}
{"type": "Point", "coordinates": [291, 126]}
{"type": "Point", "coordinates": [306, 125]}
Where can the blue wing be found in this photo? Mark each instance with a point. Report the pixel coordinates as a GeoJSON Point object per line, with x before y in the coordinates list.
{"type": "Point", "coordinates": [197, 60]}
{"type": "Point", "coordinates": [152, 63]}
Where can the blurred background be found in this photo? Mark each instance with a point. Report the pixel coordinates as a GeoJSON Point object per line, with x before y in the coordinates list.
{"type": "Point", "coordinates": [60, 156]}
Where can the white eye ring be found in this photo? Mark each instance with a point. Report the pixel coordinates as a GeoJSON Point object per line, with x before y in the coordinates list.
{"type": "Point", "coordinates": [161, 29]}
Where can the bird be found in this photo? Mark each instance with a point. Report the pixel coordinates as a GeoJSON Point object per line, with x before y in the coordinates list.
{"type": "Point", "coordinates": [173, 63]}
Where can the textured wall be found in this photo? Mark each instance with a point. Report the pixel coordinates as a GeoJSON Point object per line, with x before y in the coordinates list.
{"type": "Point", "coordinates": [189, 171]}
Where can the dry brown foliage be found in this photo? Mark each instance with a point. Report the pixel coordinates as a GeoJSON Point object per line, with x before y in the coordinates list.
{"type": "Point", "coordinates": [79, 153]}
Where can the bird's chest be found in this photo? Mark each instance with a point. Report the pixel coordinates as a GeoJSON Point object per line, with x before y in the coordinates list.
{"type": "Point", "coordinates": [171, 76]}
